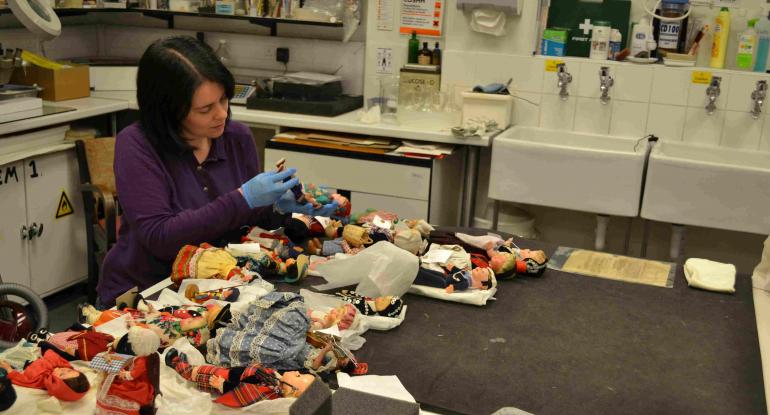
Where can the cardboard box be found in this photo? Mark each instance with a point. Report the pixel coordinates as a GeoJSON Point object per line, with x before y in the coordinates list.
{"type": "Point", "coordinates": [554, 42]}
{"type": "Point", "coordinates": [58, 85]}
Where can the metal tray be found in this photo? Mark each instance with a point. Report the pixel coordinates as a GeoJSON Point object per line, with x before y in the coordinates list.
{"type": "Point", "coordinates": [11, 91]}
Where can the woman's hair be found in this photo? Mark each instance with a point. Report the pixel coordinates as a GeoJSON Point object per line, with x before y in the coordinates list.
{"type": "Point", "coordinates": [170, 71]}
{"type": "Point", "coordinates": [78, 384]}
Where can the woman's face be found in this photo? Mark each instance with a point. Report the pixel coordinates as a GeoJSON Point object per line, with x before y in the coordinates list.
{"type": "Point", "coordinates": [208, 112]}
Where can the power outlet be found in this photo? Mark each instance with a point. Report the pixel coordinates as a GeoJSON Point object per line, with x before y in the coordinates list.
{"type": "Point", "coordinates": [282, 55]}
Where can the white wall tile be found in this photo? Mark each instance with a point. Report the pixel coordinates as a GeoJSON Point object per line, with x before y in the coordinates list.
{"type": "Point", "coordinates": [741, 87]}
{"type": "Point", "coordinates": [588, 80]}
{"type": "Point", "coordinates": [525, 113]}
{"type": "Point", "coordinates": [670, 86]}
{"type": "Point", "coordinates": [557, 114]}
{"type": "Point", "coordinates": [702, 128]}
{"type": "Point", "coordinates": [527, 74]}
{"type": "Point", "coordinates": [696, 97]}
{"type": "Point", "coordinates": [492, 68]}
{"type": "Point", "coordinates": [741, 130]}
{"type": "Point", "coordinates": [457, 68]}
{"type": "Point", "coordinates": [550, 79]}
{"type": "Point", "coordinates": [628, 118]}
{"type": "Point", "coordinates": [632, 82]}
{"type": "Point", "coordinates": [666, 121]}
{"type": "Point", "coordinates": [591, 116]}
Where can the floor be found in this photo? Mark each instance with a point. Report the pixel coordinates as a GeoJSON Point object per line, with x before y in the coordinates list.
{"type": "Point", "coordinates": [62, 307]}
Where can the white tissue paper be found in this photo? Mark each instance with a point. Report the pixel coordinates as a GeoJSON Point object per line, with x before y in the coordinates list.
{"type": "Point", "coordinates": [382, 269]}
{"type": "Point", "coordinates": [710, 275]}
{"type": "Point", "coordinates": [761, 277]}
{"type": "Point", "coordinates": [488, 21]}
{"type": "Point", "coordinates": [387, 386]}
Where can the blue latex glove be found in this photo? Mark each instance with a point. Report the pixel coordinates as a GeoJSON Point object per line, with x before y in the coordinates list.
{"type": "Point", "coordinates": [287, 203]}
{"type": "Point", "coordinates": [266, 188]}
{"type": "Point", "coordinates": [327, 210]}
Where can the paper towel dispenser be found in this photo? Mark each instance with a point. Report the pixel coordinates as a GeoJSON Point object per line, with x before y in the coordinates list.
{"type": "Point", "coordinates": [507, 6]}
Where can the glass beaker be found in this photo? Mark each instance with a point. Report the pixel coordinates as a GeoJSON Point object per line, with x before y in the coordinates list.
{"type": "Point", "coordinates": [389, 99]}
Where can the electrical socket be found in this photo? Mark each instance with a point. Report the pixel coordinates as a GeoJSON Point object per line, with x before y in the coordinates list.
{"type": "Point", "coordinates": [282, 55]}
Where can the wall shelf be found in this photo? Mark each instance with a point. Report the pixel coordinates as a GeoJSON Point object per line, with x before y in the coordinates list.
{"type": "Point", "coordinates": [169, 16]}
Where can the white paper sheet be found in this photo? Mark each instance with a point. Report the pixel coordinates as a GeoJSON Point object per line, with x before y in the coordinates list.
{"type": "Point", "coordinates": [388, 386]}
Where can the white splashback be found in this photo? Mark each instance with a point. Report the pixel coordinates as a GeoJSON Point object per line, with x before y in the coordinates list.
{"type": "Point", "coordinates": [646, 99]}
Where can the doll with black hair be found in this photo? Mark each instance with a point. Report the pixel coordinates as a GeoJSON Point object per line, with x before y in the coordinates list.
{"type": "Point", "coordinates": [52, 373]}
{"type": "Point", "coordinates": [7, 392]}
{"type": "Point", "coordinates": [507, 262]}
{"type": "Point", "coordinates": [388, 305]}
{"type": "Point", "coordinates": [455, 279]}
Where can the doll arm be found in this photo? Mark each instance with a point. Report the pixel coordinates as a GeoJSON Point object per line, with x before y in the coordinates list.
{"type": "Point", "coordinates": [7, 366]}
{"type": "Point", "coordinates": [139, 367]}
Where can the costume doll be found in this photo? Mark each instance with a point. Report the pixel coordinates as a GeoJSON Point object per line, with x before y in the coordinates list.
{"type": "Point", "coordinates": [300, 228]}
{"type": "Point", "coordinates": [455, 279]}
{"type": "Point", "coordinates": [52, 373]}
{"type": "Point", "coordinates": [270, 332]}
{"type": "Point", "coordinates": [343, 317]}
{"type": "Point", "coordinates": [506, 261]}
{"type": "Point", "coordinates": [367, 217]}
{"type": "Point", "coordinates": [76, 344]}
{"type": "Point", "coordinates": [388, 306]}
{"type": "Point", "coordinates": [319, 196]}
{"type": "Point", "coordinates": [194, 294]}
{"type": "Point", "coordinates": [242, 386]}
{"type": "Point", "coordinates": [206, 261]}
{"type": "Point", "coordinates": [133, 389]}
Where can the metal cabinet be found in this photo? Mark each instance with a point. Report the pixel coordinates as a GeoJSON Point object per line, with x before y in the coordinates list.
{"type": "Point", "coordinates": [42, 228]}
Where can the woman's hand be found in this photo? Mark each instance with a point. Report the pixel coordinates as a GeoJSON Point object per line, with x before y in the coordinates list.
{"type": "Point", "coordinates": [266, 188]}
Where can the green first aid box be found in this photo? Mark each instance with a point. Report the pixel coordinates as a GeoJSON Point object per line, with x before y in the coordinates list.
{"type": "Point", "coordinates": [578, 16]}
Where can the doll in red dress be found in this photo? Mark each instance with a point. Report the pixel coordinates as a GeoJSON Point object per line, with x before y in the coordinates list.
{"type": "Point", "coordinates": [52, 373]}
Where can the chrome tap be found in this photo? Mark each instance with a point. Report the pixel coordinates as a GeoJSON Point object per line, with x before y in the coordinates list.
{"type": "Point", "coordinates": [758, 96]}
{"type": "Point", "coordinates": [712, 93]}
{"type": "Point", "coordinates": [565, 78]}
{"type": "Point", "coordinates": [605, 83]}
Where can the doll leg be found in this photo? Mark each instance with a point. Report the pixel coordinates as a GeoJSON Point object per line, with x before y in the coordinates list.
{"type": "Point", "coordinates": [200, 375]}
{"type": "Point", "coordinates": [431, 278]}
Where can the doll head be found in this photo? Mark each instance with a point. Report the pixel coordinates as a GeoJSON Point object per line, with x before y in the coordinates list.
{"type": "Point", "coordinates": [347, 315]}
{"type": "Point", "coordinates": [294, 384]}
{"type": "Point", "coordinates": [139, 341]}
{"type": "Point", "coordinates": [343, 209]}
{"type": "Point", "coordinates": [389, 306]}
{"type": "Point", "coordinates": [67, 384]}
{"type": "Point", "coordinates": [502, 262]}
{"type": "Point", "coordinates": [297, 229]}
{"type": "Point", "coordinates": [480, 278]}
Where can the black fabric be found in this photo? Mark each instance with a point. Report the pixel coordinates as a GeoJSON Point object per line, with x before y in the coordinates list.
{"type": "Point", "coordinates": [569, 344]}
{"type": "Point", "coordinates": [352, 402]}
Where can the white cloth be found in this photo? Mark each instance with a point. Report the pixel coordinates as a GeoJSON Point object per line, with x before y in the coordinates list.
{"type": "Point", "coordinates": [481, 241]}
{"type": "Point", "coordinates": [459, 258]}
{"type": "Point", "coordinates": [761, 277]}
{"type": "Point", "coordinates": [710, 275]}
{"type": "Point", "coordinates": [470, 296]}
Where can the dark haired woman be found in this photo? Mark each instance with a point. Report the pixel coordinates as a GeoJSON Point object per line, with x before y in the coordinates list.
{"type": "Point", "coordinates": [185, 173]}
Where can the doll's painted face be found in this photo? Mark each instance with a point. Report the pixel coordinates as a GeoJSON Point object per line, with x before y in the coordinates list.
{"type": "Point", "coordinates": [497, 262]}
{"type": "Point", "coordinates": [295, 384]}
{"type": "Point", "coordinates": [479, 276]}
{"type": "Point", "coordinates": [65, 373]}
{"type": "Point", "coordinates": [538, 256]}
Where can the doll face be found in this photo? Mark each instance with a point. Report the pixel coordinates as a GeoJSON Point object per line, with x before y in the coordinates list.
{"type": "Point", "coordinates": [478, 276]}
{"type": "Point", "coordinates": [538, 256]}
{"type": "Point", "coordinates": [65, 373]}
{"type": "Point", "coordinates": [294, 383]}
{"type": "Point", "coordinates": [498, 261]}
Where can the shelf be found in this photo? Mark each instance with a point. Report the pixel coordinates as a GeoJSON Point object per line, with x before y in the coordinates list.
{"type": "Point", "coordinates": [169, 16]}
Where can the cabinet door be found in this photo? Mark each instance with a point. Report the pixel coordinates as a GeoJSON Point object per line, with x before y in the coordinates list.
{"type": "Point", "coordinates": [57, 257]}
{"type": "Point", "coordinates": [404, 208]}
{"type": "Point", "coordinates": [14, 265]}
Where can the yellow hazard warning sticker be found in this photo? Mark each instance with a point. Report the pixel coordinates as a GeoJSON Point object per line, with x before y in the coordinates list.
{"type": "Point", "coordinates": [65, 206]}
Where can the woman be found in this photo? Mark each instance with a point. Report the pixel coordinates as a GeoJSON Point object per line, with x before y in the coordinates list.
{"type": "Point", "coordinates": [185, 173]}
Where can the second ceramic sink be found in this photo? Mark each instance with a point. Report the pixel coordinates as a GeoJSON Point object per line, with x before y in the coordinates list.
{"type": "Point", "coordinates": [713, 187]}
{"type": "Point", "coordinates": [569, 170]}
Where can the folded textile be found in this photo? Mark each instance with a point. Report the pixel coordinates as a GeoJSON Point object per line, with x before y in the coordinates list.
{"type": "Point", "coordinates": [710, 275]}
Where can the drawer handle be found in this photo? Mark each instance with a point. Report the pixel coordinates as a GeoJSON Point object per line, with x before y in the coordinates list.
{"type": "Point", "coordinates": [34, 230]}
{"type": "Point", "coordinates": [24, 233]}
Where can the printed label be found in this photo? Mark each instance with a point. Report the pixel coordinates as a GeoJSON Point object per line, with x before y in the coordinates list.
{"type": "Point", "coordinates": [551, 65]}
{"type": "Point", "coordinates": [701, 77]}
{"type": "Point", "coordinates": [669, 35]}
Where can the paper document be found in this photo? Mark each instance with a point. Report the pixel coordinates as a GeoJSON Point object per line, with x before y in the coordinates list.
{"type": "Point", "coordinates": [437, 256]}
{"type": "Point", "coordinates": [387, 386]}
{"type": "Point", "coordinates": [614, 267]}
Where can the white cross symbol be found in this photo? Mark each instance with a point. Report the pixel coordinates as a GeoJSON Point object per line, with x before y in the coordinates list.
{"type": "Point", "coordinates": [586, 26]}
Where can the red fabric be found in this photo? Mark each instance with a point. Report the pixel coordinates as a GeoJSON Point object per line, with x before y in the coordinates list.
{"type": "Point", "coordinates": [90, 343]}
{"type": "Point", "coordinates": [39, 375]}
{"type": "Point", "coordinates": [139, 389]}
{"type": "Point", "coordinates": [521, 267]}
{"type": "Point", "coordinates": [316, 228]}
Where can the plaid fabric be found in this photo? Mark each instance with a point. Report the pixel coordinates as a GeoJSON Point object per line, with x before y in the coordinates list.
{"type": "Point", "coordinates": [257, 384]}
{"type": "Point", "coordinates": [203, 374]}
{"type": "Point", "coordinates": [110, 362]}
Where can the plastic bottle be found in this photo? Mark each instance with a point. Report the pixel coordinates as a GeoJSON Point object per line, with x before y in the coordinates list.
{"type": "Point", "coordinates": [747, 46]}
{"type": "Point", "coordinates": [763, 43]}
{"type": "Point", "coordinates": [616, 40]}
{"type": "Point", "coordinates": [670, 31]}
{"type": "Point", "coordinates": [600, 40]}
{"type": "Point", "coordinates": [739, 23]}
{"type": "Point", "coordinates": [642, 42]}
{"type": "Point", "coordinates": [721, 37]}
{"type": "Point", "coordinates": [414, 48]}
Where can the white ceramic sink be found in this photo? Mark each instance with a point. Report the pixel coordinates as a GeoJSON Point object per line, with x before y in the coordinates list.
{"type": "Point", "coordinates": [578, 171]}
{"type": "Point", "coordinates": [712, 187]}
